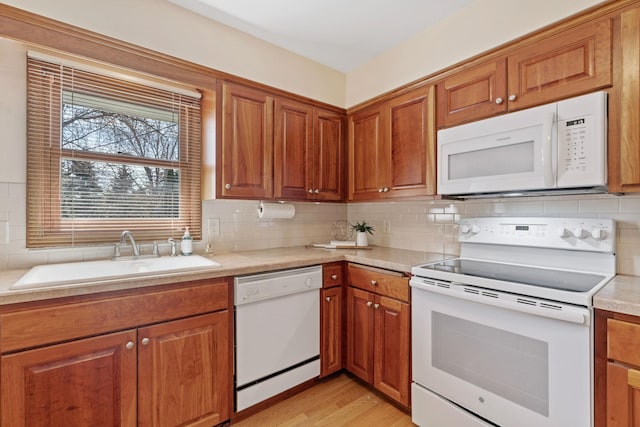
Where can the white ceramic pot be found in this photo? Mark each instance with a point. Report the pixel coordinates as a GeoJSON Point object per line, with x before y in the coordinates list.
{"type": "Point", "coordinates": [361, 238]}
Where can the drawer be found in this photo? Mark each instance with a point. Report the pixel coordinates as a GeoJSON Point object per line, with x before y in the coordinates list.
{"type": "Point", "coordinates": [623, 341]}
{"type": "Point", "coordinates": [383, 282]}
{"type": "Point", "coordinates": [57, 322]}
{"type": "Point", "coordinates": [332, 275]}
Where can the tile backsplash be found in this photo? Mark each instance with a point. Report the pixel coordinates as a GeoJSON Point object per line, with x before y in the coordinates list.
{"type": "Point", "coordinates": [429, 225]}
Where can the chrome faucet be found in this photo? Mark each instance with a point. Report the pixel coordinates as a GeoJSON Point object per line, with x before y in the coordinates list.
{"type": "Point", "coordinates": [126, 234]}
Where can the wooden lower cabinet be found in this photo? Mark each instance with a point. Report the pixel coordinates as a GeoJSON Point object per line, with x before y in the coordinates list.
{"type": "Point", "coordinates": [148, 372]}
{"type": "Point", "coordinates": [331, 306]}
{"type": "Point", "coordinates": [182, 372]}
{"type": "Point", "coordinates": [378, 343]}
{"type": "Point", "coordinates": [88, 382]}
{"type": "Point", "coordinates": [617, 370]}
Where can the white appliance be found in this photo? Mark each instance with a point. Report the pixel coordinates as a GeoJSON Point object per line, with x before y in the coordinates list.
{"type": "Point", "coordinates": [503, 335]}
{"type": "Point", "coordinates": [277, 332]}
{"type": "Point", "coordinates": [558, 146]}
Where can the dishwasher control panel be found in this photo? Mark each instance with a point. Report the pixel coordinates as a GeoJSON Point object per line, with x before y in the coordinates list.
{"type": "Point", "coordinates": [263, 286]}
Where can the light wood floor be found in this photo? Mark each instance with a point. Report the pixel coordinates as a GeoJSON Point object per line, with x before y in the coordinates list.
{"type": "Point", "coordinates": [340, 401]}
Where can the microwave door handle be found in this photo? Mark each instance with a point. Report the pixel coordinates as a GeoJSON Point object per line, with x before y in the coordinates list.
{"type": "Point", "coordinates": [547, 164]}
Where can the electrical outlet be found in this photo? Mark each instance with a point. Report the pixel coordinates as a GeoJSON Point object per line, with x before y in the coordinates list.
{"type": "Point", "coordinates": [386, 226]}
{"type": "Point", "coordinates": [214, 226]}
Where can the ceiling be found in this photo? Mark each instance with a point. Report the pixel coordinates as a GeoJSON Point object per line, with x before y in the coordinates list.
{"type": "Point", "coordinates": [342, 34]}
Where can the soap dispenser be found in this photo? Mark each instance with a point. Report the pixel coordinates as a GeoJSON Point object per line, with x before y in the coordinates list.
{"type": "Point", "coordinates": [186, 246]}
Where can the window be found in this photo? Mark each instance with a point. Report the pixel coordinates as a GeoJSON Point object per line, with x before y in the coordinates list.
{"type": "Point", "coordinates": [107, 154]}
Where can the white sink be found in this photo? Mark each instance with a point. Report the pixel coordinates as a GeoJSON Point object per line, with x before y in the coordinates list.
{"type": "Point", "coordinates": [73, 272]}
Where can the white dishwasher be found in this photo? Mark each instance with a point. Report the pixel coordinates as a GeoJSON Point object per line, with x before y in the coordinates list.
{"type": "Point", "coordinates": [277, 332]}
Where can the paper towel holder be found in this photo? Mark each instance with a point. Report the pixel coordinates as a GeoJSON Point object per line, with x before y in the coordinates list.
{"type": "Point", "coordinates": [275, 210]}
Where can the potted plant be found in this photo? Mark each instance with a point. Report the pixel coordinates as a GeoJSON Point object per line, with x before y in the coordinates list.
{"type": "Point", "coordinates": [362, 228]}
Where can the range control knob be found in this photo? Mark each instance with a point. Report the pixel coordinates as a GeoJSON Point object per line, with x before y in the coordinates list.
{"type": "Point", "coordinates": [598, 234]}
{"type": "Point", "coordinates": [475, 229]}
{"type": "Point", "coordinates": [580, 233]}
{"type": "Point", "coordinates": [465, 229]}
{"type": "Point", "coordinates": [563, 232]}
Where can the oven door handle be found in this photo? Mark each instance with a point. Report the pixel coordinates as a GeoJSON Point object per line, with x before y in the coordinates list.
{"type": "Point", "coordinates": [456, 290]}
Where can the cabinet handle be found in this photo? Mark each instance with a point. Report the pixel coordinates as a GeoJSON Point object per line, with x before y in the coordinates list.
{"type": "Point", "coordinates": [369, 303]}
{"type": "Point", "coordinates": [328, 299]}
{"type": "Point", "coordinates": [374, 282]}
{"type": "Point", "coordinates": [380, 190]}
{"type": "Point", "coordinates": [512, 97]}
{"type": "Point", "coordinates": [227, 186]}
{"type": "Point", "coordinates": [129, 345]}
{"type": "Point", "coordinates": [317, 191]}
{"type": "Point", "coordinates": [385, 189]}
{"type": "Point", "coordinates": [499, 101]}
{"type": "Point", "coordinates": [334, 276]}
{"type": "Point", "coordinates": [633, 378]}
{"type": "Point", "coordinates": [145, 341]}
{"type": "Point", "coordinates": [376, 306]}
{"type": "Point", "coordinates": [310, 191]}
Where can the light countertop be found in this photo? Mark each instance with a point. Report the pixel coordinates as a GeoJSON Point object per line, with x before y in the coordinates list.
{"type": "Point", "coordinates": [232, 264]}
{"type": "Point", "coordinates": [621, 294]}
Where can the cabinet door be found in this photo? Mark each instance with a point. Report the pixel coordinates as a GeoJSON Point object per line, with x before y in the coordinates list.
{"type": "Point", "coordinates": [293, 150]}
{"type": "Point", "coordinates": [411, 134]}
{"type": "Point", "coordinates": [331, 330]}
{"type": "Point", "coordinates": [474, 93]}
{"type": "Point", "coordinates": [328, 156]}
{"type": "Point", "coordinates": [360, 334]}
{"type": "Point", "coordinates": [88, 382]}
{"type": "Point", "coordinates": [245, 154]}
{"type": "Point", "coordinates": [368, 153]}
{"type": "Point", "coordinates": [624, 161]}
{"type": "Point", "coordinates": [572, 62]}
{"type": "Point", "coordinates": [184, 372]}
{"type": "Point", "coordinates": [623, 396]}
{"type": "Point", "coordinates": [392, 374]}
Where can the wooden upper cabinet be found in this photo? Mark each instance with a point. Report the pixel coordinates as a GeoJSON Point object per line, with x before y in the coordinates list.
{"type": "Point", "coordinates": [572, 62]}
{"type": "Point", "coordinates": [569, 63]}
{"type": "Point", "coordinates": [328, 156]}
{"type": "Point", "coordinates": [473, 94]}
{"type": "Point", "coordinates": [391, 147]}
{"type": "Point", "coordinates": [367, 152]}
{"type": "Point", "coordinates": [293, 149]}
{"type": "Point", "coordinates": [308, 152]}
{"type": "Point", "coordinates": [624, 152]}
{"type": "Point", "coordinates": [245, 151]}
{"type": "Point", "coordinates": [411, 133]}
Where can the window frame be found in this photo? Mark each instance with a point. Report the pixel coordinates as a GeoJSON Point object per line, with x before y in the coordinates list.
{"type": "Point", "coordinates": [45, 225]}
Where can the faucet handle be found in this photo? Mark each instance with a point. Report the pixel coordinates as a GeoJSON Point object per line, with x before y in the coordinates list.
{"type": "Point", "coordinates": [155, 250]}
{"type": "Point", "coordinates": [173, 246]}
{"type": "Point", "coordinates": [116, 250]}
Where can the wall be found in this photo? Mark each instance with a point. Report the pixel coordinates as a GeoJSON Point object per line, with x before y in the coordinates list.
{"type": "Point", "coordinates": [167, 28]}
{"type": "Point", "coordinates": [432, 225]}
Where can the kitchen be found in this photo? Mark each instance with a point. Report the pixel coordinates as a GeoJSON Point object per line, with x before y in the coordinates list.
{"type": "Point", "coordinates": [427, 225]}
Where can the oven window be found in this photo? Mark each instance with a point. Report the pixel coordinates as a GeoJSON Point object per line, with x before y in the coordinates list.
{"type": "Point", "coordinates": [509, 365]}
{"type": "Point", "coordinates": [501, 160]}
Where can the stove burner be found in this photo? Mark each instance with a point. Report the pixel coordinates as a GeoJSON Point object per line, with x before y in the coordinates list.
{"type": "Point", "coordinates": [534, 276]}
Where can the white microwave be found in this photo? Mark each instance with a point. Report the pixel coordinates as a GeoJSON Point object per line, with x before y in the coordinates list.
{"type": "Point", "coordinates": [555, 148]}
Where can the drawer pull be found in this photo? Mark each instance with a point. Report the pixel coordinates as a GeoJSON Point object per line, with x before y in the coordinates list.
{"type": "Point", "coordinates": [334, 276]}
{"type": "Point", "coordinates": [328, 299]}
{"type": "Point", "coordinates": [374, 282]}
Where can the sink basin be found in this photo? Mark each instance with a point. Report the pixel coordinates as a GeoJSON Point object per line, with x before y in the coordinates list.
{"type": "Point", "coordinates": [63, 274]}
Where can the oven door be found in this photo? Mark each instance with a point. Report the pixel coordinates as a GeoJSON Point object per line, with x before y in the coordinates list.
{"type": "Point", "coordinates": [514, 152]}
{"type": "Point", "coordinates": [501, 362]}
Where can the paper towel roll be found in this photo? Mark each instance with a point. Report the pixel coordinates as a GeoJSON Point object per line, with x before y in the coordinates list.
{"type": "Point", "coordinates": [275, 210]}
